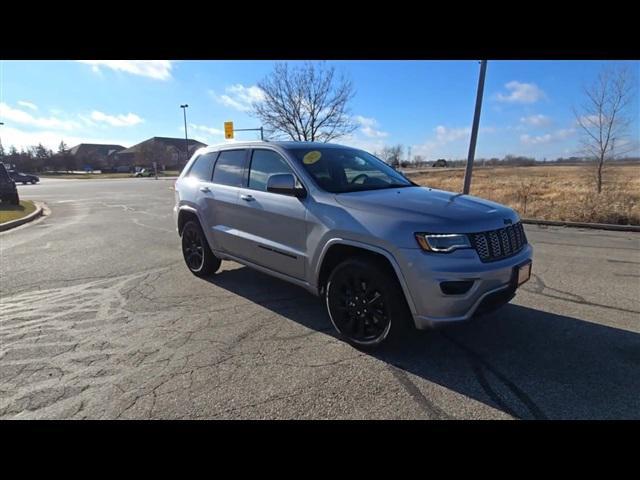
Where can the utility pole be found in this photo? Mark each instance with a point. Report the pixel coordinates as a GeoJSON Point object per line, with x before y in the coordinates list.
{"type": "Point", "coordinates": [186, 139]}
{"type": "Point", "coordinates": [474, 129]}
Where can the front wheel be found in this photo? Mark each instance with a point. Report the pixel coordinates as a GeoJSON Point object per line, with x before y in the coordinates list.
{"type": "Point", "coordinates": [196, 252]}
{"type": "Point", "coordinates": [366, 304]}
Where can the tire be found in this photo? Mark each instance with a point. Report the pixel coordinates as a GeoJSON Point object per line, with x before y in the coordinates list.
{"type": "Point", "coordinates": [197, 254]}
{"type": "Point", "coordinates": [382, 317]}
{"type": "Point", "coordinates": [24, 183]}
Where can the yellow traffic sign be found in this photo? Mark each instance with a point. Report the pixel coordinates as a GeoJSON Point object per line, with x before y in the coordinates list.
{"type": "Point", "coordinates": [228, 130]}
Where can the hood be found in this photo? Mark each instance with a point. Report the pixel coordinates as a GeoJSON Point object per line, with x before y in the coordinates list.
{"type": "Point", "coordinates": [439, 211]}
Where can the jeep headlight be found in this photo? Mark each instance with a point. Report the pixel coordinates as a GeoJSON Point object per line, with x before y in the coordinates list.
{"type": "Point", "coordinates": [442, 242]}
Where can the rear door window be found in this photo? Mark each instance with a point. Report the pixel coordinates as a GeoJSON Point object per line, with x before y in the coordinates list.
{"type": "Point", "coordinates": [229, 168]}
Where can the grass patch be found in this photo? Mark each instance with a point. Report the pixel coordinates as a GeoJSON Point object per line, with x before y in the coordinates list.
{"type": "Point", "coordinates": [566, 193]}
{"type": "Point", "coordinates": [14, 212]}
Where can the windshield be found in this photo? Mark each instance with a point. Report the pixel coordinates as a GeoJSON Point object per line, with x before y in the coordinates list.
{"type": "Point", "coordinates": [341, 170]}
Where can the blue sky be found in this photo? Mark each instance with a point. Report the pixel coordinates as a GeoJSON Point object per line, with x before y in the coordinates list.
{"type": "Point", "coordinates": [428, 105]}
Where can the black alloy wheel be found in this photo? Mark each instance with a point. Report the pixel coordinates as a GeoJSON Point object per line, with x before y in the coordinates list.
{"type": "Point", "coordinates": [365, 303]}
{"type": "Point", "coordinates": [195, 249]}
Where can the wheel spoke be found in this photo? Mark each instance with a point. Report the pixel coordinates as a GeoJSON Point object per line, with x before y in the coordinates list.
{"type": "Point", "coordinates": [378, 316]}
{"type": "Point", "coordinates": [376, 298]}
{"type": "Point", "coordinates": [351, 324]}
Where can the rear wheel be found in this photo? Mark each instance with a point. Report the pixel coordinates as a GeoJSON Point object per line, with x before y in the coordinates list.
{"type": "Point", "coordinates": [196, 252]}
{"type": "Point", "coordinates": [366, 304]}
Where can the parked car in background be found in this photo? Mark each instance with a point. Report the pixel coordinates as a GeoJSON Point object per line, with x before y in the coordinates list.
{"type": "Point", "coordinates": [145, 172]}
{"type": "Point", "coordinates": [8, 189]}
{"type": "Point", "coordinates": [382, 252]}
{"type": "Point", "coordinates": [23, 177]}
{"type": "Point", "coordinates": [441, 162]}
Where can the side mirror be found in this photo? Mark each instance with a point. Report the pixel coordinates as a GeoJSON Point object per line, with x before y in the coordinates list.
{"type": "Point", "coordinates": [285, 184]}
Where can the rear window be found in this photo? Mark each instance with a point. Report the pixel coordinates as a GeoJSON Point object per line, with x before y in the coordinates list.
{"type": "Point", "coordinates": [202, 167]}
{"type": "Point", "coordinates": [229, 167]}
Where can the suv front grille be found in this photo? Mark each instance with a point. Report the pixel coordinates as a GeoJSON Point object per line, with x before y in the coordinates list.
{"type": "Point", "coordinates": [498, 244]}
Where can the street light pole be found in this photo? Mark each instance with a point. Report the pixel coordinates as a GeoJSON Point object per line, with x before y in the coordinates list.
{"type": "Point", "coordinates": [186, 138]}
{"type": "Point", "coordinates": [474, 130]}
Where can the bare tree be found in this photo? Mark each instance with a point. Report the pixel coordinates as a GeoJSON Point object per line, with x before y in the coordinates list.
{"type": "Point", "coordinates": [306, 103]}
{"type": "Point", "coordinates": [391, 155]}
{"type": "Point", "coordinates": [152, 152]}
{"type": "Point", "coordinates": [605, 118]}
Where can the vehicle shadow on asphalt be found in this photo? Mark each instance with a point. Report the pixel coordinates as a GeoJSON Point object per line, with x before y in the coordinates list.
{"type": "Point", "coordinates": [527, 363]}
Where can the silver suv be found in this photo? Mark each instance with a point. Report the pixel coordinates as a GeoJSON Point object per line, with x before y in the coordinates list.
{"type": "Point", "coordinates": [384, 253]}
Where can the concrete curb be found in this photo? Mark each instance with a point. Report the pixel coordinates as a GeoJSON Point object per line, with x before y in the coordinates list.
{"type": "Point", "coordinates": [21, 221]}
{"type": "Point", "coordinates": [598, 226]}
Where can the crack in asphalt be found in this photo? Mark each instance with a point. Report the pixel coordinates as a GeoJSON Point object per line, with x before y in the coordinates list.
{"type": "Point", "coordinates": [478, 363]}
{"type": "Point", "coordinates": [433, 411]}
{"type": "Point", "coordinates": [540, 287]}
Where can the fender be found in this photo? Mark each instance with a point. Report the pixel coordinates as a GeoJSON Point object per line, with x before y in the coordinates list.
{"type": "Point", "coordinates": [371, 248]}
{"type": "Point", "coordinates": [187, 208]}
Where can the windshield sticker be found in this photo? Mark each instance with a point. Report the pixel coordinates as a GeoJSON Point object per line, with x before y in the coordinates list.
{"type": "Point", "coordinates": [311, 157]}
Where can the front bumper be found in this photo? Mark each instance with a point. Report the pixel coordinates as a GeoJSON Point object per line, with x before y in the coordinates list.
{"type": "Point", "coordinates": [423, 273]}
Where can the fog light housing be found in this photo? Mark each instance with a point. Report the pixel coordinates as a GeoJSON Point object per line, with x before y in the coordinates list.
{"type": "Point", "coordinates": [456, 287]}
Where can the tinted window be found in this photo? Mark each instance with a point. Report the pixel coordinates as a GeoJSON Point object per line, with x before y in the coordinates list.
{"type": "Point", "coordinates": [228, 170]}
{"type": "Point", "coordinates": [265, 163]}
{"type": "Point", "coordinates": [339, 170]}
{"type": "Point", "coordinates": [4, 177]}
{"type": "Point", "coordinates": [202, 167]}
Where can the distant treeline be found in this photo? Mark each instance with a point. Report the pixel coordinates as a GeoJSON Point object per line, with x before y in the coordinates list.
{"type": "Point", "coordinates": [514, 160]}
{"type": "Point", "coordinates": [38, 158]}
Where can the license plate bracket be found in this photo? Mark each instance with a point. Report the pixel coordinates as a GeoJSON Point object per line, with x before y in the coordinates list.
{"type": "Point", "coordinates": [521, 273]}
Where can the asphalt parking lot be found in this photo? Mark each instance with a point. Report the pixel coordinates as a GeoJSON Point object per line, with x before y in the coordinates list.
{"type": "Point", "coordinates": [99, 318]}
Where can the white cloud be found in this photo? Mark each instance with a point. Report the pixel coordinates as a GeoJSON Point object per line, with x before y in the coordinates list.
{"type": "Point", "coordinates": [239, 97]}
{"type": "Point", "coordinates": [156, 69]}
{"type": "Point", "coordinates": [16, 115]}
{"type": "Point", "coordinates": [368, 127]}
{"type": "Point", "coordinates": [536, 120]}
{"type": "Point", "coordinates": [23, 139]}
{"type": "Point", "coordinates": [448, 142]}
{"type": "Point", "coordinates": [547, 137]}
{"type": "Point", "coordinates": [589, 120]}
{"type": "Point", "coordinates": [24, 103]}
{"type": "Point", "coordinates": [446, 135]}
{"type": "Point", "coordinates": [121, 120]}
{"type": "Point", "coordinates": [368, 144]}
{"type": "Point", "coordinates": [521, 93]}
{"type": "Point", "coordinates": [209, 130]}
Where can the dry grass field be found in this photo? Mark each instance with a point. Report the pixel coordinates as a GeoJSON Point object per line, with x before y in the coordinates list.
{"type": "Point", "coordinates": [551, 192]}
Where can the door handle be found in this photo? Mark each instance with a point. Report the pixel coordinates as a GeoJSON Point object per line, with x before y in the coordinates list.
{"type": "Point", "coordinates": [205, 189]}
{"type": "Point", "coordinates": [247, 198]}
